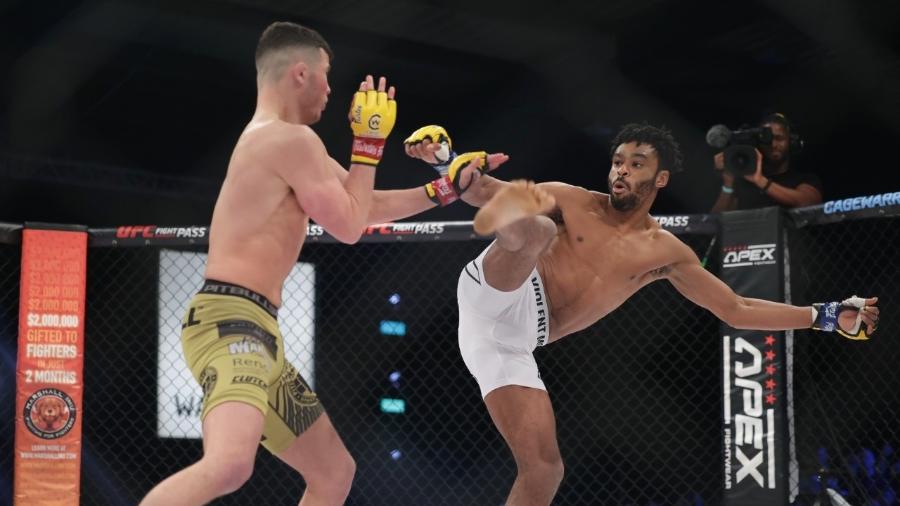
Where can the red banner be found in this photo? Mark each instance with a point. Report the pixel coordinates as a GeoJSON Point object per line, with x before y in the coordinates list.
{"type": "Point", "coordinates": [48, 373]}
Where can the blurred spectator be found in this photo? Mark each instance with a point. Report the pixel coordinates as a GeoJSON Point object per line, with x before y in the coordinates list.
{"type": "Point", "coordinates": [775, 182]}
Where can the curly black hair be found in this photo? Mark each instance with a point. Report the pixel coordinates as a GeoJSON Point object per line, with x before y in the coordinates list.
{"type": "Point", "coordinates": [660, 138]}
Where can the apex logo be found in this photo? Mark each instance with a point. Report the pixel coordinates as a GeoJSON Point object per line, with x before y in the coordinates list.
{"type": "Point", "coordinates": [749, 418]}
{"type": "Point", "coordinates": [741, 256]}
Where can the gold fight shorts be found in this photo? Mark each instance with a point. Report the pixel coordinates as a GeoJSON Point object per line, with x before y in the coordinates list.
{"type": "Point", "coordinates": [235, 351]}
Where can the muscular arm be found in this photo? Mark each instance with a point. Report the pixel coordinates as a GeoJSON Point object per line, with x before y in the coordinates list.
{"type": "Point", "coordinates": [704, 289]}
{"type": "Point", "coordinates": [389, 205]}
{"type": "Point", "coordinates": [340, 206]}
{"type": "Point", "coordinates": [803, 195]}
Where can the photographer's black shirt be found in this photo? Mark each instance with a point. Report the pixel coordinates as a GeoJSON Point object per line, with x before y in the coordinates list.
{"type": "Point", "coordinates": [749, 196]}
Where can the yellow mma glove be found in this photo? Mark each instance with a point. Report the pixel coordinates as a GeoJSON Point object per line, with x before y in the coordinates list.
{"type": "Point", "coordinates": [448, 188]}
{"type": "Point", "coordinates": [435, 133]}
{"type": "Point", "coordinates": [372, 117]}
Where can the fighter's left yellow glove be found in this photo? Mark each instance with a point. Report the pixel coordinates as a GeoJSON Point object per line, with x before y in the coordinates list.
{"type": "Point", "coordinates": [435, 133]}
{"type": "Point", "coordinates": [372, 117]}
{"type": "Point", "coordinates": [448, 188]}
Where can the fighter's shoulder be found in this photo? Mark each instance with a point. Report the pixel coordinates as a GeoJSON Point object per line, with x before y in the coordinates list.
{"type": "Point", "coordinates": [670, 243]}
{"type": "Point", "coordinates": [273, 137]}
{"type": "Point", "coordinates": [297, 137]}
{"type": "Point", "coordinates": [558, 189]}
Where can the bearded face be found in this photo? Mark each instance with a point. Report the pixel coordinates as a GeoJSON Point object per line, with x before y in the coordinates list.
{"type": "Point", "coordinates": [623, 198]}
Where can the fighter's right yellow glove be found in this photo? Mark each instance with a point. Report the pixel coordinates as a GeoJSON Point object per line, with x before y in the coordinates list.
{"type": "Point", "coordinates": [447, 189]}
{"type": "Point", "coordinates": [372, 116]}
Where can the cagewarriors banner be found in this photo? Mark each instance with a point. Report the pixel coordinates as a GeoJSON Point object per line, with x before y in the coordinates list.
{"type": "Point", "coordinates": [755, 428]}
{"type": "Point", "coordinates": [49, 367]}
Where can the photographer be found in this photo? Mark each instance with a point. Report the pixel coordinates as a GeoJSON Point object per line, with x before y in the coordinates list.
{"type": "Point", "coordinates": [773, 182]}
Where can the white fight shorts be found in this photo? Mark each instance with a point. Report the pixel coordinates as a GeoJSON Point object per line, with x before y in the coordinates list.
{"type": "Point", "coordinates": [498, 331]}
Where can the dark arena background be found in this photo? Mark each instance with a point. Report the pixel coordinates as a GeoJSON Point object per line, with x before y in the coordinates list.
{"type": "Point", "coordinates": [119, 118]}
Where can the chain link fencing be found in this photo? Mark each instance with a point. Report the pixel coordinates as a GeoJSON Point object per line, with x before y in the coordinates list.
{"type": "Point", "coordinates": [637, 396]}
{"type": "Point", "coordinates": [846, 397]}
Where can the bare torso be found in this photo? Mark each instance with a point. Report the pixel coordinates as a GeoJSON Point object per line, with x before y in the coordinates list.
{"type": "Point", "coordinates": [257, 227]}
{"type": "Point", "coordinates": [593, 265]}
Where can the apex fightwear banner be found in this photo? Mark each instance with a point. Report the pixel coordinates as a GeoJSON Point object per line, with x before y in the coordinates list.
{"type": "Point", "coordinates": [49, 367]}
{"type": "Point", "coordinates": [753, 364]}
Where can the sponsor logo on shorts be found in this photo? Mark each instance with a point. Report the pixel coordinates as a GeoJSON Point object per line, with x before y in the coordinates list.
{"type": "Point", "coordinates": [250, 364]}
{"type": "Point", "coordinates": [49, 413]}
{"type": "Point", "coordinates": [752, 255]}
{"type": "Point", "coordinates": [245, 345]}
{"type": "Point", "coordinates": [249, 380]}
{"type": "Point", "coordinates": [542, 316]}
{"type": "Point", "coordinates": [253, 337]}
{"type": "Point", "coordinates": [208, 381]}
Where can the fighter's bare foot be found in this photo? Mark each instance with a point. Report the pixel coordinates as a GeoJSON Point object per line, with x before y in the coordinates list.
{"type": "Point", "coordinates": [518, 200]}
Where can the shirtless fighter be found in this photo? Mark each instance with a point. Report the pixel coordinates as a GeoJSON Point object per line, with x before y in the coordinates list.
{"type": "Point", "coordinates": [563, 258]}
{"type": "Point", "coordinates": [279, 177]}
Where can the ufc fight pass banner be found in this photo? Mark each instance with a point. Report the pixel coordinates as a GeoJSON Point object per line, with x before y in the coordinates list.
{"type": "Point", "coordinates": [49, 367]}
{"type": "Point", "coordinates": [754, 434]}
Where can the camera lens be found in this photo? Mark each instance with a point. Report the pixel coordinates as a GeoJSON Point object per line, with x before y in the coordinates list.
{"type": "Point", "coordinates": [740, 159]}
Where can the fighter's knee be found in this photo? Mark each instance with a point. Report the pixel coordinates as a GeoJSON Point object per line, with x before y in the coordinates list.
{"type": "Point", "coordinates": [332, 483]}
{"type": "Point", "coordinates": [547, 471]}
{"type": "Point", "coordinates": [344, 472]}
{"type": "Point", "coordinates": [227, 475]}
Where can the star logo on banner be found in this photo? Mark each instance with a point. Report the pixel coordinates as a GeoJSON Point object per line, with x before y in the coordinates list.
{"type": "Point", "coordinates": [770, 370]}
{"type": "Point", "coordinates": [770, 384]}
{"type": "Point", "coordinates": [770, 340]}
{"type": "Point", "coordinates": [770, 355]}
{"type": "Point", "coordinates": [770, 399]}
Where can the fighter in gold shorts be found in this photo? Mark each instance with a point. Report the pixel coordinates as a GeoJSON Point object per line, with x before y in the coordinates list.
{"type": "Point", "coordinates": [280, 177]}
{"type": "Point", "coordinates": [235, 351]}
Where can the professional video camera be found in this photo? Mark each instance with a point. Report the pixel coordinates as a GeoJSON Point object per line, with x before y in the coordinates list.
{"type": "Point", "coordinates": [739, 145]}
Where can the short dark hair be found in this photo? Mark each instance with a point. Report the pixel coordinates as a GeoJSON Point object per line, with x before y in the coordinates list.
{"type": "Point", "coordinates": [777, 117]}
{"type": "Point", "coordinates": [660, 138]}
{"type": "Point", "coordinates": [284, 34]}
